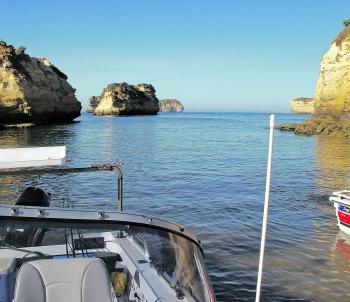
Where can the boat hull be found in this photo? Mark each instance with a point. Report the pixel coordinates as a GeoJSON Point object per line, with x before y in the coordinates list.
{"type": "Point", "coordinates": [342, 210]}
{"type": "Point", "coordinates": [344, 229]}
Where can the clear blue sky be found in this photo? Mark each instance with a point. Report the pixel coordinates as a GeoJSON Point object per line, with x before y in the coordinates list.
{"type": "Point", "coordinates": [219, 55]}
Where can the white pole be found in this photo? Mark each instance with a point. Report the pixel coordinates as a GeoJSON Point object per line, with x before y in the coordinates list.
{"type": "Point", "coordinates": [266, 208]}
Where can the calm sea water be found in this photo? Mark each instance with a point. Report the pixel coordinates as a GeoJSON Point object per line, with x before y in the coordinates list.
{"type": "Point", "coordinates": [207, 171]}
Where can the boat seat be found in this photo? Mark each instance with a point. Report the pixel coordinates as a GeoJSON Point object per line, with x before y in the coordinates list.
{"type": "Point", "coordinates": [63, 280]}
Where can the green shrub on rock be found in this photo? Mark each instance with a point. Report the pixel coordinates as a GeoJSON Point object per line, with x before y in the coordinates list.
{"type": "Point", "coordinates": [346, 22]}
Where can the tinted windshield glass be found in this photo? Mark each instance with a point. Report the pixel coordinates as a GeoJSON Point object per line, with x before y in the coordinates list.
{"type": "Point", "coordinates": [171, 264]}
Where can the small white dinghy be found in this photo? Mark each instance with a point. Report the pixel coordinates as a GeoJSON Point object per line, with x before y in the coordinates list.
{"type": "Point", "coordinates": [32, 157]}
{"type": "Point", "coordinates": [68, 254]}
{"type": "Point", "coordinates": [341, 201]}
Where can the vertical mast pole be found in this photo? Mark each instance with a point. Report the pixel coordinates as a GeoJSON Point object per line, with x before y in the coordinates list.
{"type": "Point", "coordinates": [266, 208]}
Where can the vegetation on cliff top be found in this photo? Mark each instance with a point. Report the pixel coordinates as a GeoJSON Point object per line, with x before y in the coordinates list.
{"type": "Point", "coordinates": [343, 35]}
{"type": "Point", "coordinates": [346, 22]}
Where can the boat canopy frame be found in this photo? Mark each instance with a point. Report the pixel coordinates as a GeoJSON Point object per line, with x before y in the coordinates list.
{"type": "Point", "coordinates": [108, 218]}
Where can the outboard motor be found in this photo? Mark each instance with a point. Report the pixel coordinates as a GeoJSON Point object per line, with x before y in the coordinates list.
{"type": "Point", "coordinates": [29, 235]}
{"type": "Point", "coordinates": [33, 196]}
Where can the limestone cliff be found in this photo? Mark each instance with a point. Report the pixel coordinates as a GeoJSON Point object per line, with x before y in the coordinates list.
{"type": "Point", "coordinates": [332, 95]}
{"type": "Point", "coordinates": [170, 105]}
{"type": "Point", "coordinates": [33, 90]}
{"type": "Point", "coordinates": [302, 106]}
{"type": "Point", "coordinates": [125, 99]}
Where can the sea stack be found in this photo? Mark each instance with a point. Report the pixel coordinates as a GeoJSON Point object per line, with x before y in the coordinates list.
{"type": "Point", "coordinates": [32, 90]}
{"type": "Point", "coordinates": [170, 105]}
{"type": "Point", "coordinates": [125, 99]}
{"type": "Point", "coordinates": [302, 106]}
{"type": "Point", "coordinates": [332, 96]}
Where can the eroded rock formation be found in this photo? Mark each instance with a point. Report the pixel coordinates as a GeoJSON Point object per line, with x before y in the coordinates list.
{"type": "Point", "coordinates": [170, 105]}
{"type": "Point", "coordinates": [302, 106]}
{"type": "Point", "coordinates": [332, 96]}
{"type": "Point", "coordinates": [33, 90]}
{"type": "Point", "coordinates": [125, 99]}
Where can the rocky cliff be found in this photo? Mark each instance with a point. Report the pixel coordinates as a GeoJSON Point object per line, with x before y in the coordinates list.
{"type": "Point", "coordinates": [332, 96]}
{"type": "Point", "coordinates": [125, 99]}
{"type": "Point", "coordinates": [170, 105]}
{"type": "Point", "coordinates": [302, 106]}
{"type": "Point", "coordinates": [33, 90]}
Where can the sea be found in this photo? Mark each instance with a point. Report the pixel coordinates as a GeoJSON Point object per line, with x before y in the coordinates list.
{"type": "Point", "coordinates": [207, 171]}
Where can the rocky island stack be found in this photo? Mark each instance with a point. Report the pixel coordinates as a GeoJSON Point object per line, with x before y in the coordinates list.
{"type": "Point", "coordinates": [303, 106]}
{"type": "Point", "coordinates": [332, 96]}
{"type": "Point", "coordinates": [125, 99]}
{"type": "Point", "coordinates": [32, 90]}
{"type": "Point", "coordinates": [170, 105]}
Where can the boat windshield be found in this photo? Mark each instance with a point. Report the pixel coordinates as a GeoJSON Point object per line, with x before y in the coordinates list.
{"type": "Point", "coordinates": [158, 264]}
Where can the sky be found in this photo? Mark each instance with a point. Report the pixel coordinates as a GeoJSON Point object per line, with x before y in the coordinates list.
{"type": "Point", "coordinates": [214, 56]}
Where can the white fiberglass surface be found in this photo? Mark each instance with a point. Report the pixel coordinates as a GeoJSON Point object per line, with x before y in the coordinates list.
{"type": "Point", "coordinates": [32, 157]}
{"type": "Point", "coordinates": [159, 264]}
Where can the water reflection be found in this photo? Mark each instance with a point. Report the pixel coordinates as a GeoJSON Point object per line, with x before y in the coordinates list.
{"type": "Point", "coordinates": [342, 252]}
{"type": "Point", "coordinates": [38, 136]}
{"type": "Point", "coordinates": [7, 186]}
{"type": "Point", "coordinates": [333, 163]}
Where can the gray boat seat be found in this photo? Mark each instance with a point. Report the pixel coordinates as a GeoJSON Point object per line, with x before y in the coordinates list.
{"type": "Point", "coordinates": [63, 280]}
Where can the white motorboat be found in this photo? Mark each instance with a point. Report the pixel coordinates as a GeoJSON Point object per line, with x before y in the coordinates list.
{"type": "Point", "coordinates": [341, 201]}
{"type": "Point", "coordinates": [69, 254]}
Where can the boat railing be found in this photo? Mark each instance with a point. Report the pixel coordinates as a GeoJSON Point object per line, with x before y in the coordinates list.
{"type": "Point", "coordinates": [342, 197]}
{"type": "Point", "coordinates": [343, 194]}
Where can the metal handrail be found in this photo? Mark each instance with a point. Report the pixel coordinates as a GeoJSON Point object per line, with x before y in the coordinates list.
{"type": "Point", "coordinates": [114, 167]}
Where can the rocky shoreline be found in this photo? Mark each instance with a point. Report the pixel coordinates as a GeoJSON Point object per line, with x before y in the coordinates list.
{"type": "Point", "coordinates": [325, 125]}
{"type": "Point", "coordinates": [34, 92]}
{"type": "Point", "coordinates": [332, 95]}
